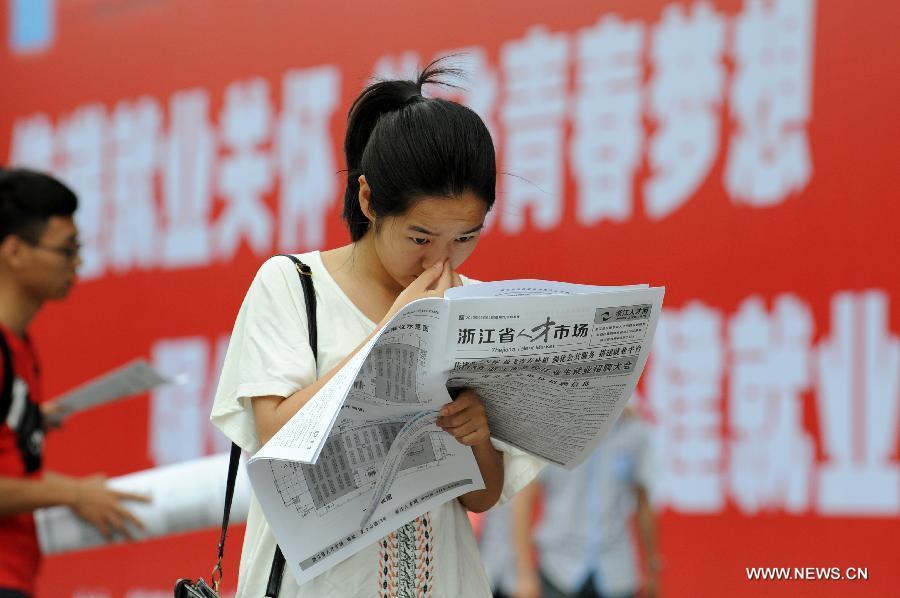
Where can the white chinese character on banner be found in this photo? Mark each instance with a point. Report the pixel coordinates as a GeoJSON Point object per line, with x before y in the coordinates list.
{"type": "Point", "coordinates": [305, 152]}
{"type": "Point", "coordinates": [858, 395]}
{"type": "Point", "coordinates": [179, 413]}
{"type": "Point", "coordinates": [608, 132]}
{"type": "Point", "coordinates": [134, 237]}
{"type": "Point", "coordinates": [769, 156]}
{"type": "Point", "coordinates": [80, 145]}
{"type": "Point", "coordinates": [189, 152]}
{"type": "Point", "coordinates": [32, 143]}
{"type": "Point", "coordinates": [683, 386]}
{"type": "Point", "coordinates": [685, 101]}
{"type": "Point", "coordinates": [772, 456]}
{"type": "Point", "coordinates": [535, 71]}
{"type": "Point", "coordinates": [246, 174]}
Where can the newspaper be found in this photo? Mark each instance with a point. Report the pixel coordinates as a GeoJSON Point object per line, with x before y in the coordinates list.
{"type": "Point", "coordinates": [554, 363]}
{"type": "Point", "coordinates": [183, 497]}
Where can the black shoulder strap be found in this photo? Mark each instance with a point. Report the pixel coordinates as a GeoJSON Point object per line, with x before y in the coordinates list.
{"type": "Point", "coordinates": [29, 424]}
{"type": "Point", "coordinates": [8, 375]}
{"type": "Point", "coordinates": [277, 571]}
{"type": "Point", "coordinates": [233, 462]}
{"type": "Point", "coordinates": [309, 297]}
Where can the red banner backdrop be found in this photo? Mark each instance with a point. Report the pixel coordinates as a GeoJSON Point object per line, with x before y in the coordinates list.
{"type": "Point", "coordinates": [741, 153]}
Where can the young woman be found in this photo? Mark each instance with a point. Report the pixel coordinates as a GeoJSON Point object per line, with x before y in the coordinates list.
{"type": "Point", "coordinates": [420, 180]}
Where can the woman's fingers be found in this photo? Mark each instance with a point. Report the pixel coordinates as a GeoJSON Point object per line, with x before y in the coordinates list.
{"type": "Point", "coordinates": [469, 432]}
{"type": "Point", "coordinates": [466, 398]}
{"type": "Point", "coordinates": [419, 288]}
{"type": "Point", "coordinates": [427, 278]}
{"type": "Point", "coordinates": [446, 279]}
{"type": "Point", "coordinates": [465, 419]}
{"type": "Point", "coordinates": [465, 428]}
{"type": "Point", "coordinates": [457, 419]}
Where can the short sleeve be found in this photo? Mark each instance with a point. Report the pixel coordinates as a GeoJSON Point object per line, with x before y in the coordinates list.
{"type": "Point", "coordinates": [519, 469]}
{"type": "Point", "coordinates": [268, 354]}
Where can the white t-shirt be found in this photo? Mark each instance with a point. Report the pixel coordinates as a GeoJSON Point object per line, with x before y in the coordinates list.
{"type": "Point", "coordinates": [269, 354]}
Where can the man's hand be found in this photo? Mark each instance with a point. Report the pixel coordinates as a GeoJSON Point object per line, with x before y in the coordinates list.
{"type": "Point", "coordinates": [102, 507]}
{"type": "Point", "coordinates": [466, 419]}
{"type": "Point", "coordinates": [53, 415]}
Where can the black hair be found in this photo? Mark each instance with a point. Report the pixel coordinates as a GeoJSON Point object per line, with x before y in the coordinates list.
{"type": "Point", "coordinates": [28, 199]}
{"type": "Point", "coordinates": [409, 147]}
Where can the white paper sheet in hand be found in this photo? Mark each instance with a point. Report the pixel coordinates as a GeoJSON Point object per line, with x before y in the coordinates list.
{"type": "Point", "coordinates": [130, 379]}
{"type": "Point", "coordinates": [183, 497]}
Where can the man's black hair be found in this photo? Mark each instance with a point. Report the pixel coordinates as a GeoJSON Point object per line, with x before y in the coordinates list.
{"type": "Point", "coordinates": [28, 199]}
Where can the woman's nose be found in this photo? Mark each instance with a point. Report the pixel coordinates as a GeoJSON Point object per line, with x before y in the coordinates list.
{"type": "Point", "coordinates": [434, 256]}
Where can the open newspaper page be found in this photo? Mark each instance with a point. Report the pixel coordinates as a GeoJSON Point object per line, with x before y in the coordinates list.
{"type": "Point", "coordinates": [365, 456]}
{"type": "Point", "coordinates": [554, 370]}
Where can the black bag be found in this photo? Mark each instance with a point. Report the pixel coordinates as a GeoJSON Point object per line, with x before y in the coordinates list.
{"type": "Point", "coordinates": [185, 588]}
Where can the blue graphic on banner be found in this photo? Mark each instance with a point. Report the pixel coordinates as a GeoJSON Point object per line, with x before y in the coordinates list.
{"type": "Point", "coordinates": [31, 24]}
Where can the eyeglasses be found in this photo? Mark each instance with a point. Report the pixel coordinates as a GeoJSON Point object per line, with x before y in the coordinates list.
{"type": "Point", "coordinates": [70, 252]}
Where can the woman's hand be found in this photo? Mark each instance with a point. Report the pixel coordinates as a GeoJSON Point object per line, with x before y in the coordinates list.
{"type": "Point", "coordinates": [430, 283]}
{"type": "Point", "coordinates": [465, 419]}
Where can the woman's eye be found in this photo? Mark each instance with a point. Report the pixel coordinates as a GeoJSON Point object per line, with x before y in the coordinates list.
{"type": "Point", "coordinates": [419, 240]}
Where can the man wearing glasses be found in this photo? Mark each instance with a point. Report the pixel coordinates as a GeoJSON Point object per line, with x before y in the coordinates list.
{"type": "Point", "coordinates": [39, 257]}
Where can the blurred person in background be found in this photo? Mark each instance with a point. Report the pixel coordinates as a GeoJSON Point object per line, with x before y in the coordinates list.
{"type": "Point", "coordinates": [498, 553]}
{"type": "Point", "coordinates": [582, 545]}
{"type": "Point", "coordinates": [39, 257]}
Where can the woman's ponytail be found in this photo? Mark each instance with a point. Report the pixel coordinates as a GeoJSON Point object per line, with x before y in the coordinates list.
{"type": "Point", "coordinates": [376, 100]}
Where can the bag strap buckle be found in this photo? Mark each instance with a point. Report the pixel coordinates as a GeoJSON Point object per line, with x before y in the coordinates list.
{"type": "Point", "coordinates": [216, 576]}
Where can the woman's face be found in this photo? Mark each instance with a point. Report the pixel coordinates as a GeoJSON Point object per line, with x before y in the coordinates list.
{"type": "Point", "coordinates": [432, 230]}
